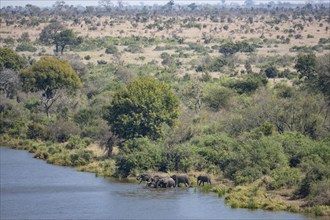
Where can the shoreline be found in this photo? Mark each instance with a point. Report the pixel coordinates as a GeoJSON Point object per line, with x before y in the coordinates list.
{"type": "Point", "coordinates": [251, 196]}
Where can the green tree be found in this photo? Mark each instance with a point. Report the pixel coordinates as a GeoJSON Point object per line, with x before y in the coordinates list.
{"type": "Point", "coordinates": [50, 76]}
{"type": "Point", "coordinates": [306, 66]}
{"type": "Point", "coordinates": [66, 37]}
{"type": "Point", "coordinates": [323, 75]}
{"type": "Point", "coordinates": [10, 60]}
{"type": "Point", "coordinates": [142, 108]}
{"type": "Point", "coordinates": [271, 72]}
{"type": "Point", "coordinates": [49, 32]}
{"type": "Point", "coordinates": [228, 49]}
{"type": "Point", "coordinates": [217, 97]}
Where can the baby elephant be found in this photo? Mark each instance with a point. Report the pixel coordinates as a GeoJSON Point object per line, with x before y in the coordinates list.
{"type": "Point", "coordinates": [203, 179]}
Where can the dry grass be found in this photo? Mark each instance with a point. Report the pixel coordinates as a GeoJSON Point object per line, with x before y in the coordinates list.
{"type": "Point", "coordinates": [123, 28]}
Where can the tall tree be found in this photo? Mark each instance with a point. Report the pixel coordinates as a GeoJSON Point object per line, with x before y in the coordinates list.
{"type": "Point", "coordinates": [64, 38]}
{"type": "Point", "coordinates": [306, 66]}
{"type": "Point", "coordinates": [142, 108]}
{"type": "Point", "coordinates": [49, 32]}
{"type": "Point", "coordinates": [50, 76]}
{"type": "Point", "coordinates": [9, 82]}
{"type": "Point", "coordinates": [323, 75]}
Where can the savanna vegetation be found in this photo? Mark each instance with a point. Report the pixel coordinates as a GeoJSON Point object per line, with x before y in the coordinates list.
{"type": "Point", "coordinates": [239, 93]}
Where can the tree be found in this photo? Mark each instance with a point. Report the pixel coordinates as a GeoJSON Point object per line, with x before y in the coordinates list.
{"type": "Point", "coordinates": [248, 67]}
{"type": "Point", "coordinates": [107, 4]}
{"type": "Point", "coordinates": [10, 60]}
{"type": "Point", "coordinates": [229, 48]}
{"type": "Point", "coordinates": [49, 32]}
{"type": "Point", "coordinates": [50, 76]}
{"type": "Point", "coordinates": [142, 108]}
{"type": "Point", "coordinates": [9, 82]}
{"type": "Point", "coordinates": [271, 72]}
{"type": "Point", "coordinates": [249, 3]}
{"type": "Point", "coordinates": [306, 66]}
{"type": "Point", "coordinates": [192, 6]}
{"type": "Point", "coordinates": [217, 97]}
{"type": "Point", "coordinates": [66, 37]}
{"type": "Point", "coordinates": [323, 75]}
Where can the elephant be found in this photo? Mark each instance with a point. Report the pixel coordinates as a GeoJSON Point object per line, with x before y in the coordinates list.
{"type": "Point", "coordinates": [203, 179]}
{"type": "Point", "coordinates": [144, 177]}
{"type": "Point", "coordinates": [148, 176]}
{"type": "Point", "coordinates": [166, 182]}
{"type": "Point", "coordinates": [180, 178]}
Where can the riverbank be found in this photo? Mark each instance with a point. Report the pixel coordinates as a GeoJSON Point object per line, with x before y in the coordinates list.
{"type": "Point", "coordinates": [87, 157]}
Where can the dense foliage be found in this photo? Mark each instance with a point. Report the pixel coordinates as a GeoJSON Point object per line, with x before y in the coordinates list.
{"type": "Point", "coordinates": [141, 109]}
{"type": "Point", "coordinates": [246, 101]}
{"type": "Point", "coordinates": [50, 75]}
{"type": "Point", "coordinates": [10, 60]}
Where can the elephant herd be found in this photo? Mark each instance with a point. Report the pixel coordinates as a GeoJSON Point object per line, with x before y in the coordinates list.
{"type": "Point", "coordinates": [164, 180]}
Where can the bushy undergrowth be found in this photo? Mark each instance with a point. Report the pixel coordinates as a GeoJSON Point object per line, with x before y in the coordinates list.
{"type": "Point", "coordinates": [255, 134]}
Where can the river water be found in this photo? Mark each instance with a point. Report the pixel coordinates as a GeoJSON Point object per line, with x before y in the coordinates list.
{"type": "Point", "coordinates": [33, 189]}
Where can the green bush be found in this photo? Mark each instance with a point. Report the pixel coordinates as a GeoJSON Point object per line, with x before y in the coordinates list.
{"type": "Point", "coordinates": [11, 60]}
{"type": "Point", "coordinates": [178, 158]}
{"type": "Point", "coordinates": [111, 49]}
{"type": "Point", "coordinates": [217, 97]}
{"type": "Point", "coordinates": [25, 47]}
{"type": "Point", "coordinates": [134, 48]}
{"type": "Point", "coordinates": [285, 177]}
{"type": "Point", "coordinates": [271, 72]}
{"type": "Point", "coordinates": [75, 142]}
{"type": "Point", "coordinates": [248, 84]}
{"type": "Point", "coordinates": [320, 193]}
{"type": "Point", "coordinates": [255, 158]}
{"type": "Point", "coordinates": [80, 158]}
{"type": "Point", "coordinates": [36, 131]}
{"type": "Point", "coordinates": [138, 154]}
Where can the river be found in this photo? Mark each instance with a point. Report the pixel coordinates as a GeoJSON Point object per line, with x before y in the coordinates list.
{"type": "Point", "coordinates": [33, 189]}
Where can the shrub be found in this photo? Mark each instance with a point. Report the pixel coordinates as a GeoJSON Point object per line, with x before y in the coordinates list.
{"type": "Point", "coordinates": [217, 97]}
{"type": "Point", "coordinates": [285, 177]}
{"type": "Point", "coordinates": [11, 60]}
{"type": "Point", "coordinates": [111, 49]}
{"type": "Point", "coordinates": [134, 48]}
{"type": "Point", "coordinates": [317, 173]}
{"type": "Point", "coordinates": [178, 158]}
{"type": "Point", "coordinates": [61, 130]}
{"type": "Point", "coordinates": [324, 40]}
{"type": "Point", "coordinates": [75, 142]}
{"type": "Point", "coordinates": [320, 193]}
{"type": "Point", "coordinates": [248, 84]}
{"type": "Point", "coordinates": [102, 62]}
{"type": "Point", "coordinates": [138, 154]}
{"type": "Point", "coordinates": [87, 57]}
{"type": "Point", "coordinates": [81, 157]}
{"type": "Point", "coordinates": [271, 72]}
{"type": "Point", "coordinates": [36, 131]}
{"type": "Point", "coordinates": [26, 47]}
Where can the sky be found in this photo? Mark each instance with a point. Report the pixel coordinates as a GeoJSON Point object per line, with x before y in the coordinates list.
{"type": "Point", "coordinates": [45, 3]}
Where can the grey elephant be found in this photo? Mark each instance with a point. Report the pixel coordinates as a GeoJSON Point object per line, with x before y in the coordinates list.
{"type": "Point", "coordinates": [166, 182]}
{"type": "Point", "coordinates": [180, 178]}
{"type": "Point", "coordinates": [144, 177]}
{"type": "Point", "coordinates": [160, 175]}
{"type": "Point", "coordinates": [203, 179]}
